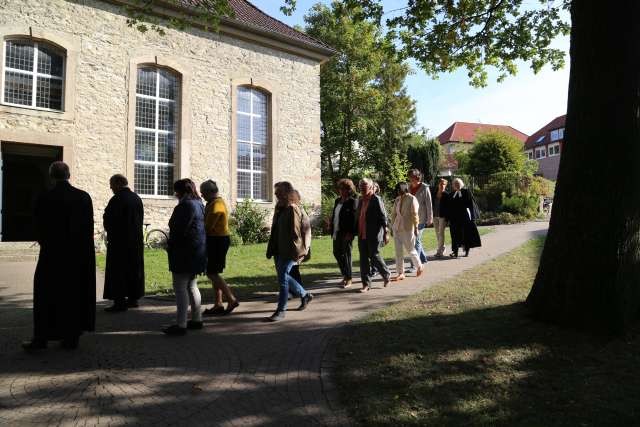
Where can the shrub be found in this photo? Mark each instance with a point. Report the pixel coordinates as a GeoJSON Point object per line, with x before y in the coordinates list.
{"type": "Point", "coordinates": [494, 152]}
{"type": "Point", "coordinates": [525, 205]}
{"type": "Point", "coordinates": [235, 238]}
{"type": "Point", "coordinates": [249, 221]}
{"type": "Point", "coordinates": [326, 210]}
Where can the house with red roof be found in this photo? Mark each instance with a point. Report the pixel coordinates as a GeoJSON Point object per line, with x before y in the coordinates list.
{"type": "Point", "coordinates": [460, 136]}
{"type": "Point", "coordinates": [545, 147]}
{"type": "Point", "coordinates": [239, 104]}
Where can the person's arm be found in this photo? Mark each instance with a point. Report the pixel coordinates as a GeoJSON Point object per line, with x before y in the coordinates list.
{"type": "Point", "coordinates": [182, 217]}
{"type": "Point", "coordinates": [415, 214]}
{"type": "Point", "coordinates": [429, 205]}
{"type": "Point", "coordinates": [385, 222]}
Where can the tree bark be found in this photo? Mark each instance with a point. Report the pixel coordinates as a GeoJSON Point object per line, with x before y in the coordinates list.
{"type": "Point", "coordinates": [589, 273]}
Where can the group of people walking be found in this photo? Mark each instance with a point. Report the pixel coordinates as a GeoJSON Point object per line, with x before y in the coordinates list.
{"type": "Point", "coordinates": [414, 209]}
{"type": "Point", "coordinates": [199, 238]}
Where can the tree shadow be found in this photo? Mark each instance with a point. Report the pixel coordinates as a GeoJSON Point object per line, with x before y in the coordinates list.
{"type": "Point", "coordinates": [491, 366]}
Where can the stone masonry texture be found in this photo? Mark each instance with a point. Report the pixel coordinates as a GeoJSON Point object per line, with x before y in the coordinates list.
{"type": "Point", "coordinates": [99, 126]}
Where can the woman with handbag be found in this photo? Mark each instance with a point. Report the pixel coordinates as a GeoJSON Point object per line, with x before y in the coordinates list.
{"type": "Point", "coordinates": [404, 220]}
{"type": "Point", "coordinates": [461, 216]}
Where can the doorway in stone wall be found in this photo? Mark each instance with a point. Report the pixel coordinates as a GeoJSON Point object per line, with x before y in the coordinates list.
{"type": "Point", "coordinates": [25, 174]}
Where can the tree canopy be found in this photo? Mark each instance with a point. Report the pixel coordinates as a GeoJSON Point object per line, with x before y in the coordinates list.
{"type": "Point", "coordinates": [495, 152]}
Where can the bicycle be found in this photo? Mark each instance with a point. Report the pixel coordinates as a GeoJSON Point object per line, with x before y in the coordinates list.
{"type": "Point", "coordinates": [154, 238]}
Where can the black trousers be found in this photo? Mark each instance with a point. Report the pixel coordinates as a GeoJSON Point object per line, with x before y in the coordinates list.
{"type": "Point", "coordinates": [342, 253]}
{"type": "Point", "coordinates": [371, 255]}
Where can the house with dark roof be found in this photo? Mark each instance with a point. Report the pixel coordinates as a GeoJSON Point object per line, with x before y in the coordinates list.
{"type": "Point", "coordinates": [240, 105]}
{"type": "Point", "coordinates": [545, 147]}
{"type": "Point", "coordinates": [460, 136]}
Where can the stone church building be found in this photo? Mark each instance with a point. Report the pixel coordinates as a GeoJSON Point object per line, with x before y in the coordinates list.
{"type": "Point", "coordinates": [240, 106]}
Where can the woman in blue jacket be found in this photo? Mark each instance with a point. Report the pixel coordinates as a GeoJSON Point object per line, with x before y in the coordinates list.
{"type": "Point", "coordinates": [187, 255]}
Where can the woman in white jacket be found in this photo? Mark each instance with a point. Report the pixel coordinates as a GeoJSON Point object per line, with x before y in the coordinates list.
{"type": "Point", "coordinates": [404, 220]}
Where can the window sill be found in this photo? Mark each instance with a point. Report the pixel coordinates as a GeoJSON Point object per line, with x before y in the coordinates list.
{"type": "Point", "coordinates": [159, 201]}
{"type": "Point", "coordinates": [60, 115]}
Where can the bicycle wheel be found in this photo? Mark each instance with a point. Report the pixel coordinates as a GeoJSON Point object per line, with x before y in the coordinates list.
{"type": "Point", "coordinates": [156, 239]}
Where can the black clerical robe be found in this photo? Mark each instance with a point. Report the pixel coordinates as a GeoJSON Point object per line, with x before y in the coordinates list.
{"type": "Point", "coordinates": [64, 294]}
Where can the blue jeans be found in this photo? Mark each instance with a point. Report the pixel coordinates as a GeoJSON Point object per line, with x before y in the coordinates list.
{"type": "Point", "coordinates": [283, 267]}
{"type": "Point", "coordinates": [421, 253]}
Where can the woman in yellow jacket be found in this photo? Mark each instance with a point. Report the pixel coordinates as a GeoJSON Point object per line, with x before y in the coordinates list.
{"type": "Point", "coordinates": [216, 225]}
{"type": "Point", "coordinates": [404, 220]}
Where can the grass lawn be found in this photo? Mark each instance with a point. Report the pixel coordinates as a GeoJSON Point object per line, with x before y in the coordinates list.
{"type": "Point", "coordinates": [464, 353]}
{"type": "Point", "coordinates": [250, 272]}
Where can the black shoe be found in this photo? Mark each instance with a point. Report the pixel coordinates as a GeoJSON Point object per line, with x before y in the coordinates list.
{"type": "Point", "coordinates": [305, 300]}
{"type": "Point", "coordinates": [276, 317]}
{"type": "Point", "coordinates": [193, 324]}
{"type": "Point", "coordinates": [231, 306]}
{"type": "Point", "coordinates": [116, 308]}
{"type": "Point", "coordinates": [466, 252]}
{"type": "Point", "coordinates": [214, 311]}
{"type": "Point", "coordinates": [132, 303]}
{"type": "Point", "coordinates": [454, 254]}
{"type": "Point", "coordinates": [70, 343]}
{"type": "Point", "coordinates": [34, 345]}
{"type": "Point", "coordinates": [175, 330]}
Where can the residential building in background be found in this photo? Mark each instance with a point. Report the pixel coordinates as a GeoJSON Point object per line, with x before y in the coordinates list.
{"type": "Point", "coordinates": [460, 136]}
{"type": "Point", "coordinates": [240, 106]}
{"type": "Point", "coordinates": [545, 147]}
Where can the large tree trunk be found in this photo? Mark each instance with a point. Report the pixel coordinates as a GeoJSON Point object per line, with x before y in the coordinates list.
{"type": "Point", "coordinates": [589, 274]}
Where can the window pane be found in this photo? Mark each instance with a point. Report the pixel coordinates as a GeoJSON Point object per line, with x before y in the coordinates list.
{"type": "Point", "coordinates": [166, 147]}
{"type": "Point", "coordinates": [18, 88]}
{"type": "Point", "coordinates": [143, 177]}
{"type": "Point", "coordinates": [244, 156]}
{"type": "Point", "coordinates": [260, 130]}
{"type": "Point", "coordinates": [49, 93]}
{"type": "Point", "coordinates": [244, 127]}
{"type": "Point", "coordinates": [167, 116]}
{"type": "Point", "coordinates": [145, 113]}
{"type": "Point", "coordinates": [244, 185]}
{"type": "Point", "coordinates": [260, 186]}
{"type": "Point", "coordinates": [165, 180]}
{"type": "Point", "coordinates": [145, 145]}
{"type": "Point", "coordinates": [19, 54]}
{"type": "Point", "coordinates": [259, 158]}
{"type": "Point", "coordinates": [146, 84]}
{"type": "Point", "coordinates": [244, 99]}
{"type": "Point", "coordinates": [168, 85]}
{"type": "Point", "coordinates": [49, 61]}
{"type": "Point", "coordinates": [259, 103]}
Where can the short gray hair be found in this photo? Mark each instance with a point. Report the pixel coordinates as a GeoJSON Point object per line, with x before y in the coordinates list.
{"type": "Point", "coordinates": [367, 181]}
{"type": "Point", "coordinates": [59, 171]}
{"type": "Point", "coordinates": [458, 181]}
{"type": "Point", "coordinates": [209, 186]}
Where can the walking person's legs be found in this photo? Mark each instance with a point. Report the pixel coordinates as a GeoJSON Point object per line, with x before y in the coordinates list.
{"type": "Point", "coordinates": [180, 284]}
{"type": "Point", "coordinates": [439, 225]}
{"type": "Point", "coordinates": [286, 282]}
{"type": "Point", "coordinates": [365, 267]}
{"type": "Point", "coordinates": [379, 263]}
{"type": "Point", "coordinates": [419, 248]}
{"type": "Point", "coordinates": [195, 300]}
{"type": "Point", "coordinates": [399, 249]}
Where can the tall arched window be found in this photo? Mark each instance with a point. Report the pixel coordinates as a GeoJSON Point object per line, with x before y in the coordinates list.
{"type": "Point", "coordinates": [252, 144]}
{"type": "Point", "coordinates": [157, 112]}
{"type": "Point", "coordinates": [33, 75]}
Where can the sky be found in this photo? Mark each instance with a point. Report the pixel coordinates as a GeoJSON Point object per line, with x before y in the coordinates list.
{"type": "Point", "coordinates": [526, 101]}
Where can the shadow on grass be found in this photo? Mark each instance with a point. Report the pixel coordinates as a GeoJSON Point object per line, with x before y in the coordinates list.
{"type": "Point", "coordinates": [489, 366]}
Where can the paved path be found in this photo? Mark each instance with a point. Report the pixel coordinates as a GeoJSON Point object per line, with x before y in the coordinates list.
{"type": "Point", "coordinates": [238, 371]}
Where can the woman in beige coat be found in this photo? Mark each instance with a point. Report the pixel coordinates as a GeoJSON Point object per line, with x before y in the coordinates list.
{"type": "Point", "coordinates": [404, 220]}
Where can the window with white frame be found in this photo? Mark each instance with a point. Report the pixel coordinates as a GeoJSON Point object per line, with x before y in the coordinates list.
{"type": "Point", "coordinates": [33, 75]}
{"type": "Point", "coordinates": [252, 136]}
{"type": "Point", "coordinates": [529, 154]}
{"type": "Point", "coordinates": [557, 134]}
{"type": "Point", "coordinates": [157, 112]}
{"type": "Point", "coordinates": [554, 150]}
{"type": "Point", "coordinates": [541, 153]}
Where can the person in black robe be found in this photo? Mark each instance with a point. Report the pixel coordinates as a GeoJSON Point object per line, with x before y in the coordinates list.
{"type": "Point", "coordinates": [64, 284]}
{"type": "Point", "coordinates": [123, 221]}
{"type": "Point", "coordinates": [461, 214]}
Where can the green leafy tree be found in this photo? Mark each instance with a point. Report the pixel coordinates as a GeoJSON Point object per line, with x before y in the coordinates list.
{"type": "Point", "coordinates": [425, 154]}
{"type": "Point", "coordinates": [494, 152]}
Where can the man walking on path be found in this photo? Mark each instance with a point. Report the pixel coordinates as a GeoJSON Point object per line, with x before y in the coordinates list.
{"type": "Point", "coordinates": [372, 233]}
{"type": "Point", "coordinates": [123, 221]}
{"type": "Point", "coordinates": [64, 285]}
{"type": "Point", "coordinates": [421, 191]}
